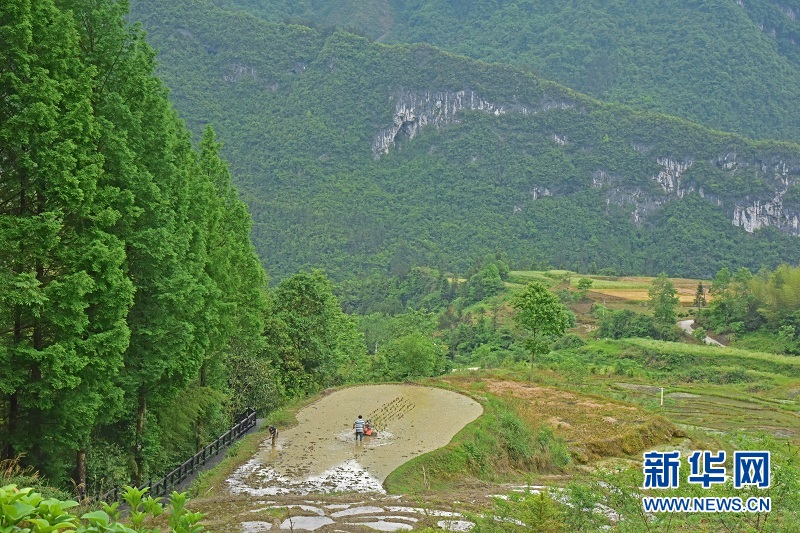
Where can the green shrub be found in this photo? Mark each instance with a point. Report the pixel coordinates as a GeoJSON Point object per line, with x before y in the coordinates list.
{"type": "Point", "coordinates": [25, 510]}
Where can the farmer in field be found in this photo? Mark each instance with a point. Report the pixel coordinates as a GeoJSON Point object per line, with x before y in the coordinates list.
{"type": "Point", "coordinates": [359, 427]}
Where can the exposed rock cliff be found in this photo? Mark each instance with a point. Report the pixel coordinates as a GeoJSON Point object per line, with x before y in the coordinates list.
{"type": "Point", "coordinates": [417, 110]}
{"type": "Point", "coordinates": [749, 212]}
{"type": "Point", "coordinates": [414, 111]}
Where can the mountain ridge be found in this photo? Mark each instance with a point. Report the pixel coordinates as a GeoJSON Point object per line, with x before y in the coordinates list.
{"type": "Point", "coordinates": [303, 112]}
{"type": "Point", "coordinates": [733, 66]}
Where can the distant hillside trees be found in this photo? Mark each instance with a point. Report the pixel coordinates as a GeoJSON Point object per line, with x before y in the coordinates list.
{"type": "Point", "coordinates": [745, 302]}
{"type": "Point", "coordinates": [570, 185]}
{"type": "Point", "coordinates": [733, 65]}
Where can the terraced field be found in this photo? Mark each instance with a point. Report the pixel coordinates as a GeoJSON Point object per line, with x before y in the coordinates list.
{"type": "Point", "coordinates": [317, 478]}
{"type": "Point", "coordinates": [626, 288]}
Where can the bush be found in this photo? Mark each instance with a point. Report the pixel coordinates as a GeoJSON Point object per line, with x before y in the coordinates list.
{"type": "Point", "coordinates": [24, 510]}
{"type": "Point", "coordinates": [570, 340]}
{"type": "Point", "coordinates": [625, 323]}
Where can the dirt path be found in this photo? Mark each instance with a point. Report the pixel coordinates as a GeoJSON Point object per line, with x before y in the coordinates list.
{"type": "Point", "coordinates": [686, 325]}
{"type": "Point", "coordinates": [320, 455]}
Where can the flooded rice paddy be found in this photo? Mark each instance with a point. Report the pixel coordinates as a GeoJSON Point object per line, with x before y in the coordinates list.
{"type": "Point", "coordinates": [320, 454]}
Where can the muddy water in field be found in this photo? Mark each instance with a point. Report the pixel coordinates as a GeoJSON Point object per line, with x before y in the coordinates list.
{"type": "Point", "coordinates": [321, 454]}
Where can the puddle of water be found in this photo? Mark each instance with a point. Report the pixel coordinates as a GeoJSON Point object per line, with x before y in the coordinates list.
{"type": "Point", "coordinates": [346, 477]}
{"type": "Point", "coordinates": [321, 455]}
{"type": "Point", "coordinates": [682, 395]}
{"type": "Point", "coordinates": [255, 527]}
{"type": "Point", "coordinates": [316, 510]}
{"type": "Point", "coordinates": [642, 388]}
{"type": "Point", "coordinates": [391, 517]}
{"type": "Point", "coordinates": [455, 525]}
{"type": "Point", "coordinates": [357, 511]}
{"type": "Point", "coordinates": [380, 525]}
{"type": "Point", "coordinates": [306, 523]}
{"type": "Point", "coordinates": [420, 510]}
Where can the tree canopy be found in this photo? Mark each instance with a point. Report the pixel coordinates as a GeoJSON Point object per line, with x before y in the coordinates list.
{"type": "Point", "coordinates": [542, 315]}
{"type": "Point", "coordinates": [663, 300]}
{"type": "Point", "coordinates": [127, 276]}
{"type": "Point", "coordinates": [555, 179]}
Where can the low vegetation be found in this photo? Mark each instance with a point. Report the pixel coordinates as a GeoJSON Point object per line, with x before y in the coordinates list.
{"type": "Point", "coordinates": [612, 498]}
{"type": "Point", "coordinates": [24, 510]}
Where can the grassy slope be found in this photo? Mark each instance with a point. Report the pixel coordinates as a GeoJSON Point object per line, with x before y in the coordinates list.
{"type": "Point", "coordinates": [497, 449]}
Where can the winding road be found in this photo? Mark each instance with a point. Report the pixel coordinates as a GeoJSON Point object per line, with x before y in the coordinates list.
{"type": "Point", "coordinates": [686, 325]}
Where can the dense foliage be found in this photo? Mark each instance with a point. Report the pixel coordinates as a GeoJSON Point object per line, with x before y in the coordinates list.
{"type": "Point", "coordinates": [568, 184]}
{"type": "Point", "coordinates": [23, 510]}
{"type": "Point", "coordinates": [542, 316]}
{"type": "Point", "coordinates": [734, 66]}
{"type": "Point", "coordinates": [767, 302]}
{"type": "Point", "coordinates": [135, 318]}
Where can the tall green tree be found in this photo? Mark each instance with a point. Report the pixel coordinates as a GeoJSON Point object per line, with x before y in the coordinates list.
{"type": "Point", "coordinates": [235, 315]}
{"type": "Point", "coordinates": [663, 300]}
{"type": "Point", "coordinates": [413, 355]}
{"type": "Point", "coordinates": [721, 281]}
{"type": "Point", "coordinates": [64, 292]}
{"type": "Point", "coordinates": [541, 314]}
{"type": "Point", "coordinates": [151, 175]}
{"type": "Point", "coordinates": [584, 284]}
{"type": "Point", "coordinates": [735, 306]}
{"type": "Point", "coordinates": [310, 339]}
{"type": "Point", "coordinates": [128, 284]}
{"type": "Point", "coordinates": [700, 296]}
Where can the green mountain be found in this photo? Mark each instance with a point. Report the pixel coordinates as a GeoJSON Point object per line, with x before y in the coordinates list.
{"type": "Point", "coordinates": [361, 157]}
{"type": "Point", "coordinates": [733, 66]}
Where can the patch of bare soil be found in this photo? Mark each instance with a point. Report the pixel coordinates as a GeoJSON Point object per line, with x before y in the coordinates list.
{"type": "Point", "coordinates": [344, 512]}
{"type": "Point", "coordinates": [321, 455]}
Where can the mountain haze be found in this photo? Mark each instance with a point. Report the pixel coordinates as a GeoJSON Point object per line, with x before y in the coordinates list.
{"type": "Point", "coordinates": [731, 65]}
{"type": "Point", "coordinates": [358, 156]}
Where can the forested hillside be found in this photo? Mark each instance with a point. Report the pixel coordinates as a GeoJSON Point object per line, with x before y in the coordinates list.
{"type": "Point", "coordinates": [733, 66]}
{"type": "Point", "coordinates": [361, 157]}
{"type": "Point", "coordinates": [135, 318]}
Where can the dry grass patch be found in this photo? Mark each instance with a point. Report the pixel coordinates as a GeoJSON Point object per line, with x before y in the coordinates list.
{"type": "Point", "coordinates": [593, 427]}
{"type": "Point", "coordinates": [686, 297]}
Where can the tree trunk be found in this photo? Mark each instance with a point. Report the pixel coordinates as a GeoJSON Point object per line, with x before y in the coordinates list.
{"type": "Point", "coordinates": [35, 417]}
{"type": "Point", "coordinates": [531, 376]}
{"type": "Point", "coordinates": [533, 351]}
{"type": "Point", "coordinates": [13, 400]}
{"type": "Point", "coordinates": [11, 423]}
{"type": "Point", "coordinates": [80, 480]}
{"type": "Point", "coordinates": [140, 415]}
{"type": "Point", "coordinates": [199, 426]}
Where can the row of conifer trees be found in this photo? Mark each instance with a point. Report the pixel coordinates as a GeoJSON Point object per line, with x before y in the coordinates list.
{"type": "Point", "coordinates": [130, 293]}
